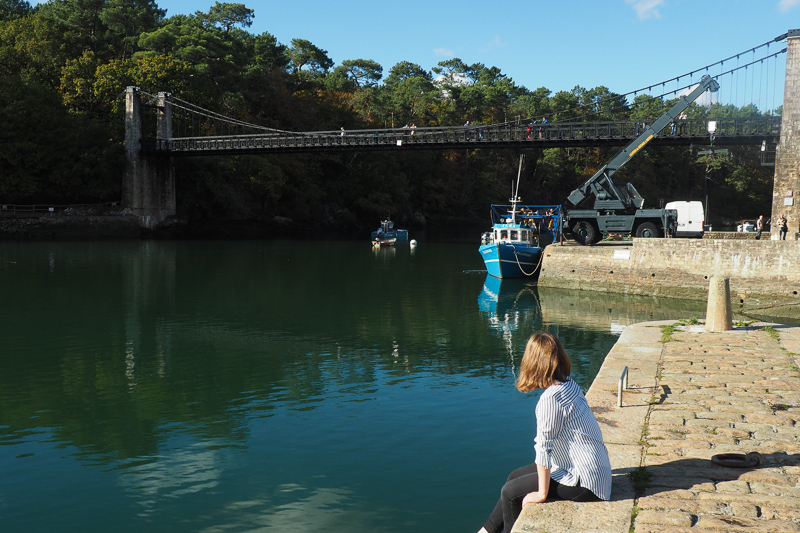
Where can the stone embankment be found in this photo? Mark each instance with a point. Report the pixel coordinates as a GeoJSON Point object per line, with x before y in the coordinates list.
{"type": "Point", "coordinates": [60, 226]}
{"type": "Point", "coordinates": [764, 274]}
{"type": "Point", "coordinates": [693, 395]}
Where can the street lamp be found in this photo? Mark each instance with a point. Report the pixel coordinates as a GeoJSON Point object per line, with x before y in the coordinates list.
{"type": "Point", "coordinates": [712, 128]}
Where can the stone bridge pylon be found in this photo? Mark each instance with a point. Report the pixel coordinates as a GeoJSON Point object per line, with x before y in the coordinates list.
{"type": "Point", "coordinates": [148, 184]}
{"type": "Point", "coordinates": [786, 188]}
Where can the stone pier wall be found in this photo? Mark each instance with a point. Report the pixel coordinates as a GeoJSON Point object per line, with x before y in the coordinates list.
{"type": "Point", "coordinates": [762, 273]}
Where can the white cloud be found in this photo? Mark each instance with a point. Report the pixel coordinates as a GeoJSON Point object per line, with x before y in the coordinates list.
{"type": "Point", "coordinates": [443, 52]}
{"type": "Point", "coordinates": [646, 9]}
{"type": "Point", "coordinates": [784, 6]}
{"type": "Point", "coordinates": [497, 43]}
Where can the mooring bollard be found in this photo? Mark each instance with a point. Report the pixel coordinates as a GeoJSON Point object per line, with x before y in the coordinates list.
{"type": "Point", "coordinates": [718, 313]}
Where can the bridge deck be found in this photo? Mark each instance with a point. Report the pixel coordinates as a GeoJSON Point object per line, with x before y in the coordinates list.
{"type": "Point", "coordinates": [729, 132]}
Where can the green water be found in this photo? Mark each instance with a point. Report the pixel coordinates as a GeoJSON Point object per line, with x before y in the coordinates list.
{"type": "Point", "coordinates": [272, 386]}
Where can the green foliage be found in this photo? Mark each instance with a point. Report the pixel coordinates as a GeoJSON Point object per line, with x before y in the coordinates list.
{"type": "Point", "coordinates": [13, 9]}
{"type": "Point", "coordinates": [405, 70]}
{"type": "Point", "coordinates": [308, 60]}
{"type": "Point", "coordinates": [227, 16]}
{"type": "Point", "coordinates": [30, 49]}
{"type": "Point", "coordinates": [666, 333]}
{"type": "Point", "coordinates": [640, 478]}
{"type": "Point", "coordinates": [363, 72]}
{"type": "Point", "coordinates": [125, 20]}
{"type": "Point", "coordinates": [50, 155]}
{"type": "Point", "coordinates": [771, 332]}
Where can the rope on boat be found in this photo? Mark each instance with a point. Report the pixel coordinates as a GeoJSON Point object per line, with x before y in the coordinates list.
{"type": "Point", "coordinates": [541, 255]}
{"type": "Point", "coordinates": [516, 258]}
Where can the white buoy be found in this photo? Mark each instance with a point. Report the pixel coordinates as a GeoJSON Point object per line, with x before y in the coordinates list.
{"type": "Point", "coordinates": [413, 243]}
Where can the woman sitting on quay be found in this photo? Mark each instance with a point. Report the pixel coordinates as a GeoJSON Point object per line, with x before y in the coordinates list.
{"type": "Point", "coordinates": [571, 459]}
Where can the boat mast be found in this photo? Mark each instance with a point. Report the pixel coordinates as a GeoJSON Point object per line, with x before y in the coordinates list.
{"type": "Point", "coordinates": [515, 191]}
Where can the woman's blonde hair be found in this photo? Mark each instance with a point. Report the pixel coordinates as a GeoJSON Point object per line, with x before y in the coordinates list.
{"type": "Point", "coordinates": [545, 362]}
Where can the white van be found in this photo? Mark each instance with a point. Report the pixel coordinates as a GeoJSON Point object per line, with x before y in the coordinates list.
{"type": "Point", "coordinates": [691, 218]}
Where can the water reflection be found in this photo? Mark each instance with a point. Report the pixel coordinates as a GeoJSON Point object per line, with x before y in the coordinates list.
{"type": "Point", "coordinates": [512, 304]}
{"type": "Point", "coordinates": [587, 322]}
{"type": "Point", "coordinates": [173, 474]}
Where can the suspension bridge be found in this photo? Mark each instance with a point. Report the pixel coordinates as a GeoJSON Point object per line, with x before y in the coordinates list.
{"type": "Point", "coordinates": [184, 129]}
{"type": "Point", "coordinates": [734, 131]}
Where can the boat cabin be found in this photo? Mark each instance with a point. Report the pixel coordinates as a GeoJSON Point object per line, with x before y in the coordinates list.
{"type": "Point", "coordinates": [510, 234]}
{"type": "Point", "coordinates": [514, 224]}
{"type": "Point", "coordinates": [387, 226]}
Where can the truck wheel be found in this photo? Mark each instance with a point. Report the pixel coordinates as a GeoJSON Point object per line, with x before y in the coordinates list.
{"type": "Point", "coordinates": [647, 230]}
{"type": "Point", "coordinates": [584, 232]}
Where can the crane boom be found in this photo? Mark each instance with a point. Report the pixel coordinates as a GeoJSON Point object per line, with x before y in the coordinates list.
{"type": "Point", "coordinates": [600, 185]}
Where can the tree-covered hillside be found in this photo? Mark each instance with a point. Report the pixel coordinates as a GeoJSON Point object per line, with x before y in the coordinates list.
{"type": "Point", "coordinates": [65, 64]}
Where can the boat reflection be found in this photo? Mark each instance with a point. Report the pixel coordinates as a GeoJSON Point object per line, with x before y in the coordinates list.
{"type": "Point", "coordinates": [510, 305]}
{"type": "Point", "coordinates": [513, 305]}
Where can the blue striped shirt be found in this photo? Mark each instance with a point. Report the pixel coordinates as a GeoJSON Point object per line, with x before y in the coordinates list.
{"type": "Point", "coordinates": [569, 441]}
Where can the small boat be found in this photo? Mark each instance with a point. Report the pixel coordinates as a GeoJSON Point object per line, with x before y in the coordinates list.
{"type": "Point", "coordinates": [387, 230]}
{"type": "Point", "coordinates": [513, 248]}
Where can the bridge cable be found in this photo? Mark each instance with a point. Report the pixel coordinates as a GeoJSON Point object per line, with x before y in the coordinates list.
{"type": "Point", "coordinates": [198, 111]}
{"type": "Point", "coordinates": [678, 78]}
{"type": "Point", "coordinates": [673, 92]}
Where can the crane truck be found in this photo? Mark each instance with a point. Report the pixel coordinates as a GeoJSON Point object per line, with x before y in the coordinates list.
{"type": "Point", "coordinates": [600, 206]}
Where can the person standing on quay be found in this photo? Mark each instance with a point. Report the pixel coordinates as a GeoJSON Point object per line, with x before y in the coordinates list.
{"type": "Point", "coordinates": [759, 226]}
{"type": "Point", "coordinates": [571, 458]}
{"type": "Point", "coordinates": [783, 227]}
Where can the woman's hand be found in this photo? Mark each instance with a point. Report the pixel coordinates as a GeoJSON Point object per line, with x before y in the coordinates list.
{"type": "Point", "coordinates": [544, 487]}
{"type": "Point", "coordinates": [534, 497]}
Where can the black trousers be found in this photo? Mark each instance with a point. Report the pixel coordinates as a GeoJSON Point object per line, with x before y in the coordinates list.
{"type": "Point", "coordinates": [521, 482]}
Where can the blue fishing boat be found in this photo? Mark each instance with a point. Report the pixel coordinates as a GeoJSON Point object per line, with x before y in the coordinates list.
{"type": "Point", "coordinates": [513, 248]}
{"type": "Point", "coordinates": [387, 231]}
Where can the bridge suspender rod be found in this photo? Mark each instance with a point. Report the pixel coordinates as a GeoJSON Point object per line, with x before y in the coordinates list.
{"type": "Point", "coordinates": [720, 62]}
{"type": "Point", "coordinates": [674, 91]}
{"type": "Point", "coordinates": [689, 74]}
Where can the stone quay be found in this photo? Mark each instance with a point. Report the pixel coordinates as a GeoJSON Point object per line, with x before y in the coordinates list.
{"type": "Point", "coordinates": [764, 275]}
{"type": "Point", "coordinates": [696, 402]}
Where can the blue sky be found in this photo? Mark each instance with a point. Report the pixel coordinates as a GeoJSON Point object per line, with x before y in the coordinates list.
{"type": "Point", "coordinates": [621, 44]}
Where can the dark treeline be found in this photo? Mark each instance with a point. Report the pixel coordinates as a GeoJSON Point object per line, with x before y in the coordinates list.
{"type": "Point", "coordinates": [64, 66]}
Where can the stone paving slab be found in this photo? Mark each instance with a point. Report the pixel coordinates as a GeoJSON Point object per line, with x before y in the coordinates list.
{"type": "Point", "coordinates": [696, 396]}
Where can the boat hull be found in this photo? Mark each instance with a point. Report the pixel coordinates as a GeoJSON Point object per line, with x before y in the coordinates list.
{"type": "Point", "coordinates": [400, 234]}
{"type": "Point", "coordinates": [384, 241]}
{"type": "Point", "coordinates": [505, 260]}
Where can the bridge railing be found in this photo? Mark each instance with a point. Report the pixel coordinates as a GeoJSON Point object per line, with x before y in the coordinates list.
{"type": "Point", "coordinates": [551, 134]}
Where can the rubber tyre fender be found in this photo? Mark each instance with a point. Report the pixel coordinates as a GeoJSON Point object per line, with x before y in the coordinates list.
{"type": "Point", "coordinates": [738, 460]}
